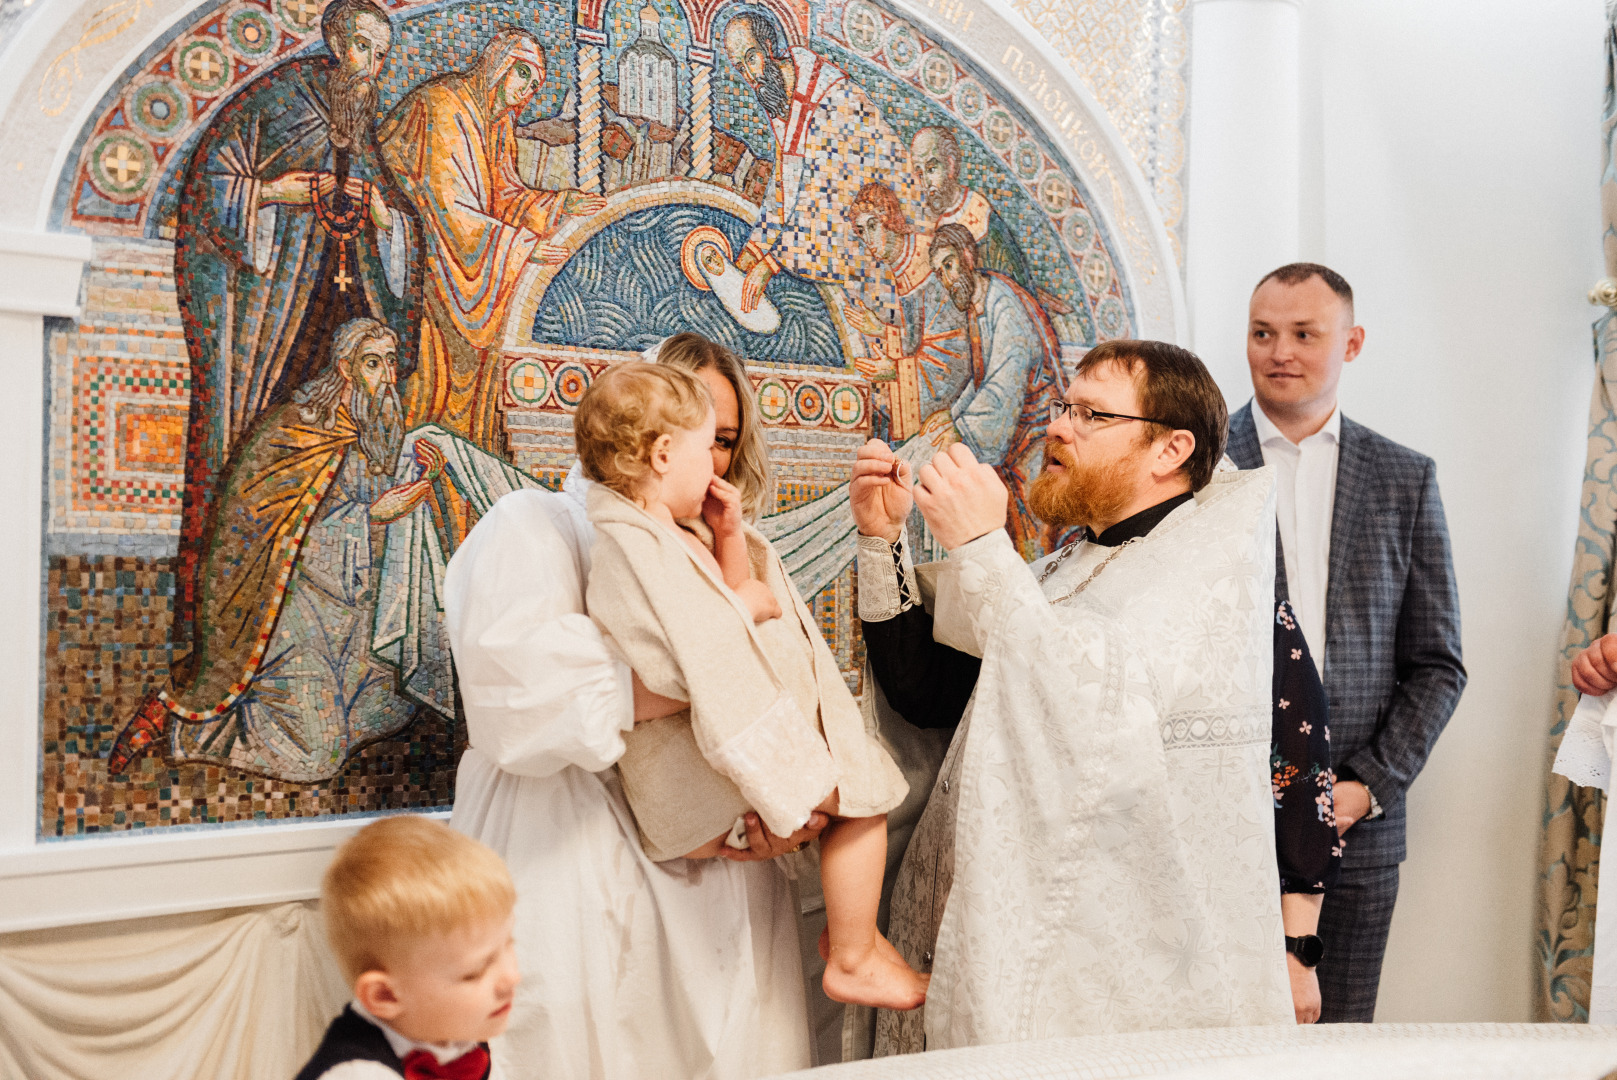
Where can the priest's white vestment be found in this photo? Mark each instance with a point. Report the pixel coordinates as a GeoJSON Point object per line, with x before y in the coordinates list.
{"type": "Point", "coordinates": [684, 969]}
{"type": "Point", "coordinates": [1098, 854]}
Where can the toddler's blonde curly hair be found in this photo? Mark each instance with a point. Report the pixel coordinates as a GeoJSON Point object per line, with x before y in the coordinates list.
{"type": "Point", "coordinates": [624, 412]}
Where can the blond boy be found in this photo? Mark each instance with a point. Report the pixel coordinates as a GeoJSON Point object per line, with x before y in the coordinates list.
{"type": "Point", "coordinates": [419, 917]}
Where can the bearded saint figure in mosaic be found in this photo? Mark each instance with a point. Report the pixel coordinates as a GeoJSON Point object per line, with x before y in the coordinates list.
{"type": "Point", "coordinates": [284, 678]}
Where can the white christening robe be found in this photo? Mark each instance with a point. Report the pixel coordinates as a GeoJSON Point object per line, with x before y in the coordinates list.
{"type": "Point", "coordinates": [686, 969]}
{"type": "Point", "coordinates": [1098, 854]}
{"type": "Point", "coordinates": [1585, 758]}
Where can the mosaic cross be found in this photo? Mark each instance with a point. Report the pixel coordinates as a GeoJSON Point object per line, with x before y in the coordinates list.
{"type": "Point", "coordinates": [998, 129]}
{"type": "Point", "coordinates": [121, 165]}
{"type": "Point", "coordinates": [303, 12]}
{"type": "Point", "coordinates": [202, 66]}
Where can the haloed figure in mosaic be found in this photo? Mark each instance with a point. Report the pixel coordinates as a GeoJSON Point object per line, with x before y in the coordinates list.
{"type": "Point", "coordinates": [936, 154]}
{"type": "Point", "coordinates": [287, 229]}
{"type": "Point", "coordinates": [281, 679]}
{"type": "Point", "coordinates": [451, 144]}
{"type": "Point", "coordinates": [830, 139]}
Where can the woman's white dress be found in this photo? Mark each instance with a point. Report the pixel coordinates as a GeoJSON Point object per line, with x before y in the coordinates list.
{"type": "Point", "coordinates": [631, 969]}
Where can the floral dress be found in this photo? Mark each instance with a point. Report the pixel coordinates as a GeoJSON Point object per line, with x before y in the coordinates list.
{"type": "Point", "coordinates": [1308, 849]}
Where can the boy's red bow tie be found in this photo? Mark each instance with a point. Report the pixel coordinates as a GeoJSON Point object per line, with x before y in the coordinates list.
{"type": "Point", "coordinates": [422, 1065]}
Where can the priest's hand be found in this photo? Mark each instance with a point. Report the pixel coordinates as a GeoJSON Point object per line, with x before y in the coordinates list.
{"type": "Point", "coordinates": [1595, 669]}
{"type": "Point", "coordinates": [880, 491]}
{"type": "Point", "coordinates": [763, 844]}
{"type": "Point", "coordinates": [960, 497]}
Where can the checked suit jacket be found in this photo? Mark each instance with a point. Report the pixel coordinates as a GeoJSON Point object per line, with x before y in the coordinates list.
{"type": "Point", "coordinates": [1393, 673]}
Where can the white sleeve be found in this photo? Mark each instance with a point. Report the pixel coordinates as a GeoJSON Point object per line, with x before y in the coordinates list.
{"type": "Point", "coordinates": [541, 686]}
{"type": "Point", "coordinates": [359, 1070]}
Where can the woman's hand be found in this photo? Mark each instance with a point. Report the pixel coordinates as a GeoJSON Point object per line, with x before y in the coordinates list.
{"type": "Point", "coordinates": [722, 508]}
{"type": "Point", "coordinates": [763, 844]}
{"type": "Point", "coordinates": [1305, 1001]}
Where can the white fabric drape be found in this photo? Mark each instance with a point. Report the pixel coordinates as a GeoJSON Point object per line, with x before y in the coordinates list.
{"type": "Point", "coordinates": [234, 995]}
{"type": "Point", "coordinates": [1584, 758]}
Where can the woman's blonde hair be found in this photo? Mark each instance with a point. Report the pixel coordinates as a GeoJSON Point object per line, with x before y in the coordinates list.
{"type": "Point", "coordinates": [624, 412]}
{"type": "Point", "coordinates": [749, 463]}
{"type": "Point", "coordinates": [404, 878]}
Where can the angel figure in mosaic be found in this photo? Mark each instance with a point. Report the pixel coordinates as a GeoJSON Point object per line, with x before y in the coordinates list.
{"type": "Point", "coordinates": [288, 227]}
{"type": "Point", "coordinates": [830, 139]}
{"type": "Point", "coordinates": [330, 512]}
{"type": "Point", "coordinates": [451, 145]}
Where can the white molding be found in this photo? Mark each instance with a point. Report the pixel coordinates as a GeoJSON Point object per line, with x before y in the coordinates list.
{"type": "Point", "coordinates": [41, 273]}
{"type": "Point", "coordinates": [69, 883]}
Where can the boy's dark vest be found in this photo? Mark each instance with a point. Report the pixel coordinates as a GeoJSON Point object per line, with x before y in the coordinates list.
{"type": "Point", "coordinates": [353, 1038]}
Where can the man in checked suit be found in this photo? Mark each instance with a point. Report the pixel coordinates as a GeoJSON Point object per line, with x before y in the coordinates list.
{"type": "Point", "coordinates": [1364, 559]}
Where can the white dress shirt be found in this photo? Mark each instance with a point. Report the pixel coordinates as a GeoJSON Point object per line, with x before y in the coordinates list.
{"type": "Point", "coordinates": [375, 1070]}
{"type": "Point", "coordinates": [1305, 478]}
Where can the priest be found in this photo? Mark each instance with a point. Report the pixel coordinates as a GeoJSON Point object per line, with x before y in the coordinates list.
{"type": "Point", "coordinates": [1098, 852]}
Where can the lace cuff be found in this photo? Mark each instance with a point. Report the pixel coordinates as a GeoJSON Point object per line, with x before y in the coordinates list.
{"type": "Point", "coordinates": [780, 763]}
{"type": "Point", "coordinates": [1583, 757]}
{"type": "Point", "coordinates": [887, 583]}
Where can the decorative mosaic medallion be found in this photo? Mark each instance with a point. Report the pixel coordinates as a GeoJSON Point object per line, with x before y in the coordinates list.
{"type": "Point", "coordinates": [902, 48]}
{"type": "Point", "coordinates": [862, 26]}
{"type": "Point", "coordinates": [999, 129]}
{"type": "Point", "coordinates": [1055, 194]}
{"type": "Point", "coordinates": [158, 108]}
{"type": "Point", "coordinates": [809, 403]}
{"type": "Point", "coordinates": [937, 74]}
{"type": "Point", "coordinates": [773, 400]}
{"type": "Point", "coordinates": [571, 382]}
{"type": "Point", "coordinates": [204, 66]}
{"type": "Point", "coordinates": [299, 16]}
{"type": "Point", "coordinates": [251, 32]}
{"type": "Point", "coordinates": [847, 407]}
{"type": "Point", "coordinates": [1028, 159]}
{"type": "Point", "coordinates": [1111, 318]}
{"type": "Point", "coordinates": [1097, 274]}
{"type": "Point", "coordinates": [120, 164]}
{"type": "Point", "coordinates": [969, 100]}
{"type": "Point", "coordinates": [528, 382]}
{"type": "Point", "coordinates": [1078, 230]}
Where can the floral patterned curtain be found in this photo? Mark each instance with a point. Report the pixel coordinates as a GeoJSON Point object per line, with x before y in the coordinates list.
{"type": "Point", "coordinates": [1570, 866]}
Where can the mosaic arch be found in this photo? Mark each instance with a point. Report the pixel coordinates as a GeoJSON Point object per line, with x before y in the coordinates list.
{"type": "Point", "coordinates": [906, 219]}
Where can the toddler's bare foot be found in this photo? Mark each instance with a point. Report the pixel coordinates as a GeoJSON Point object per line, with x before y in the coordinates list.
{"type": "Point", "coordinates": [878, 977]}
{"type": "Point", "coordinates": [882, 945]}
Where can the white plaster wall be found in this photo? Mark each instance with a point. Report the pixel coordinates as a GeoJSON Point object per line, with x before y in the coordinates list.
{"type": "Point", "coordinates": [1450, 162]}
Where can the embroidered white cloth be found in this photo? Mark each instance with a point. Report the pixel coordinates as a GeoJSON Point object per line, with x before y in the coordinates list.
{"type": "Point", "coordinates": [1112, 855]}
{"type": "Point", "coordinates": [1584, 758]}
{"type": "Point", "coordinates": [630, 968]}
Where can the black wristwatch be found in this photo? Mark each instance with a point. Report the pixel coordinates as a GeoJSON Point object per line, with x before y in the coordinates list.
{"type": "Point", "coordinates": [1308, 949]}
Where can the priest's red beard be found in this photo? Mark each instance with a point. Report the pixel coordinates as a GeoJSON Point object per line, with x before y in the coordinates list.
{"type": "Point", "coordinates": [1083, 494]}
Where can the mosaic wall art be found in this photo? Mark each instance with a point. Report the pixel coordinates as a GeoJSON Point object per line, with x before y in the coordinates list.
{"type": "Point", "coordinates": [493, 200]}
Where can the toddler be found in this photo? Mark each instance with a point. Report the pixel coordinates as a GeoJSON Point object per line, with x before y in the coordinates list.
{"type": "Point", "coordinates": [701, 607]}
{"type": "Point", "coordinates": [420, 919]}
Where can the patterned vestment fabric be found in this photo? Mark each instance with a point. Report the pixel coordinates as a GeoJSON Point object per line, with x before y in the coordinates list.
{"type": "Point", "coordinates": [1569, 862]}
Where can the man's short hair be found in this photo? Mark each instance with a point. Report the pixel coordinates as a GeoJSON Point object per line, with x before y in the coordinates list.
{"type": "Point", "coordinates": [947, 139]}
{"type": "Point", "coordinates": [337, 21]}
{"type": "Point", "coordinates": [877, 198]}
{"type": "Point", "coordinates": [1175, 388]}
{"type": "Point", "coordinates": [957, 238]}
{"type": "Point", "coordinates": [404, 878]}
{"type": "Point", "coordinates": [1298, 272]}
{"type": "Point", "coordinates": [764, 32]}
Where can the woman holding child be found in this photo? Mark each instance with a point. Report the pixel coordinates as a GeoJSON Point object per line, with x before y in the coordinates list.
{"type": "Point", "coordinates": [631, 968]}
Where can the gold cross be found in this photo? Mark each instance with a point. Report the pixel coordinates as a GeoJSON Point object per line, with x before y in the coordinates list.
{"type": "Point", "coordinates": [121, 165]}
{"type": "Point", "coordinates": [303, 12]}
{"type": "Point", "coordinates": [202, 66]}
{"type": "Point", "coordinates": [342, 279]}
